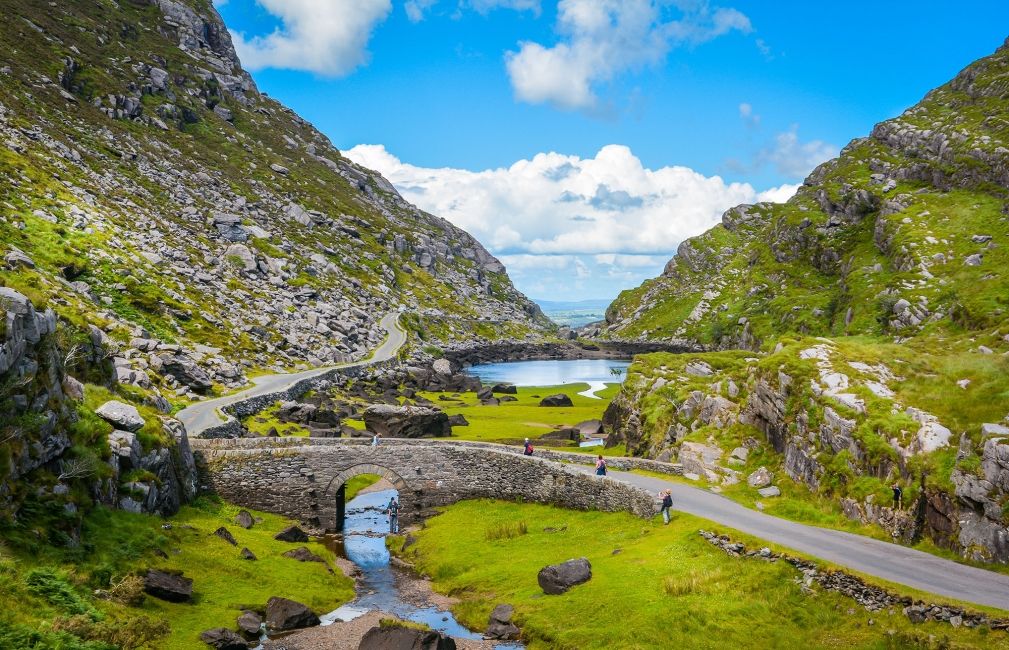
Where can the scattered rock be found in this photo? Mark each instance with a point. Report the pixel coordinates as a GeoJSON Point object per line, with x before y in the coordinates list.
{"type": "Point", "coordinates": [121, 416]}
{"type": "Point", "coordinates": [500, 625]}
{"type": "Point", "coordinates": [556, 579]}
{"type": "Point", "coordinates": [302, 554]}
{"type": "Point", "coordinates": [292, 534]}
{"type": "Point", "coordinates": [168, 586]}
{"type": "Point", "coordinates": [244, 519]}
{"type": "Point", "coordinates": [250, 624]}
{"type": "Point", "coordinates": [283, 614]}
{"type": "Point", "coordinates": [699, 368]}
{"type": "Point", "coordinates": [407, 421]}
{"type": "Point", "coordinates": [222, 638]}
{"type": "Point", "coordinates": [405, 638]}
{"type": "Point", "coordinates": [769, 492]}
{"type": "Point", "coordinates": [458, 420]}
{"type": "Point", "coordinates": [560, 399]}
{"type": "Point", "coordinates": [507, 389]}
{"type": "Point", "coordinates": [246, 554]}
{"type": "Point", "coordinates": [760, 478]}
{"type": "Point", "coordinates": [226, 535]}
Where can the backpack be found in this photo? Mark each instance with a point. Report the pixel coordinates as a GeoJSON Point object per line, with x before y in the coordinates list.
{"type": "Point", "coordinates": [529, 450]}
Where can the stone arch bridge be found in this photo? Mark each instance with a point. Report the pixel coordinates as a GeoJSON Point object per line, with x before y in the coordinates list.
{"type": "Point", "coordinates": [304, 478]}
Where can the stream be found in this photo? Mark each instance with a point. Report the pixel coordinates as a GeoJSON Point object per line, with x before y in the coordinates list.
{"type": "Point", "coordinates": [379, 587]}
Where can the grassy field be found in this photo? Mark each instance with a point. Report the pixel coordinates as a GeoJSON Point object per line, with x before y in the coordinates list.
{"type": "Point", "coordinates": [117, 544]}
{"type": "Point", "coordinates": [512, 422]}
{"type": "Point", "coordinates": [652, 587]}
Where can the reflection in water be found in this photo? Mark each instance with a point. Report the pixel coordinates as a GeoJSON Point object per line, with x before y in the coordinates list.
{"type": "Point", "coordinates": [364, 545]}
{"type": "Point", "coordinates": [595, 372]}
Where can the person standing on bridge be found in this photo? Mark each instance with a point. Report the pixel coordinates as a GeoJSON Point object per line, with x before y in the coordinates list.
{"type": "Point", "coordinates": [527, 448]}
{"type": "Point", "coordinates": [374, 440]}
{"type": "Point", "coordinates": [393, 512]}
{"type": "Point", "coordinates": [667, 503]}
{"type": "Point", "coordinates": [600, 466]}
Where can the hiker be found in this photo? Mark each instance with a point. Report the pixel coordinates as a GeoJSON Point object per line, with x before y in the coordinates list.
{"type": "Point", "coordinates": [667, 503]}
{"type": "Point", "coordinates": [898, 496]}
{"type": "Point", "coordinates": [393, 512]}
{"type": "Point", "coordinates": [527, 449]}
{"type": "Point", "coordinates": [374, 440]}
{"type": "Point", "coordinates": [600, 466]}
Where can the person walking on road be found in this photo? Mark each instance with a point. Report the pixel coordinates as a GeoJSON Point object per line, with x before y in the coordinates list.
{"type": "Point", "coordinates": [527, 448]}
{"type": "Point", "coordinates": [667, 503]}
{"type": "Point", "coordinates": [600, 466]}
{"type": "Point", "coordinates": [393, 511]}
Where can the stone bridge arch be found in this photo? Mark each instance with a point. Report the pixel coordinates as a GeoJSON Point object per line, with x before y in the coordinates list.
{"type": "Point", "coordinates": [336, 490]}
{"type": "Point", "coordinates": [300, 477]}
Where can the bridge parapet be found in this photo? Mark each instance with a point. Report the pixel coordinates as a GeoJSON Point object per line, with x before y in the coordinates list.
{"type": "Point", "coordinates": [300, 477]}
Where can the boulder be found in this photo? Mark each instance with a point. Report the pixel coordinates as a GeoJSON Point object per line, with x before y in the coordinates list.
{"type": "Point", "coordinates": [506, 389]}
{"type": "Point", "coordinates": [283, 614]}
{"type": "Point", "coordinates": [458, 420]}
{"type": "Point", "coordinates": [184, 370]}
{"type": "Point", "coordinates": [121, 416]}
{"type": "Point", "coordinates": [565, 433]}
{"type": "Point", "coordinates": [485, 393]}
{"type": "Point", "coordinates": [560, 399]}
{"type": "Point", "coordinates": [292, 534]}
{"type": "Point", "coordinates": [226, 535]}
{"type": "Point", "coordinates": [760, 478]}
{"type": "Point", "coordinates": [125, 449]}
{"type": "Point", "coordinates": [590, 427]}
{"type": "Point", "coordinates": [442, 366]}
{"type": "Point", "coordinates": [250, 624]}
{"type": "Point", "coordinates": [302, 554]}
{"type": "Point", "coordinates": [769, 492]}
{"type": "Point", "coordinates": [168, 586]}
{"type": "Point", "coordinates": [556, 579]}
{"type": "Point", "coordinates": [407, 421]}
{"type": "Point", "coordinates": [404, 638]}
{"type": "Point", "coordinates": [500, 625]}
{"type": "Point", "coordinates": [246, 554]}
{"type": "Point", "coordinates": [244, 519]}
{"type": "Point", "coordinates": [222, 638]}
{"type": "Point", "coordinates": [991, 430]}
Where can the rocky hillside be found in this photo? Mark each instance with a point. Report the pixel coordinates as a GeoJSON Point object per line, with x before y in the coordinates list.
{"type": "Point", "coordinates": [150, 190]}
{"type": "Point", "coordinates": [869, 318]}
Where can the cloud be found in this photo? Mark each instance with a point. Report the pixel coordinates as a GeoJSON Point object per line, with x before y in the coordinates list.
{"type": "Point", "coordinates": [327, 37]}
{"type": "Point", "coordinates": [749, 117]}
{"type": "Point", "coordinates": [619, 220]}
{"type": "Point", "coordinates": [793, 158]}
{"type": "Point", "coordinates": [601, 39]}
{"type": "Point", "coordinates": [416, 9]}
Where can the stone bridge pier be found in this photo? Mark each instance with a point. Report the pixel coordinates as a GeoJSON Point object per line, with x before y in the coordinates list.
{"type": "Point", "coordinates": [305, 478]}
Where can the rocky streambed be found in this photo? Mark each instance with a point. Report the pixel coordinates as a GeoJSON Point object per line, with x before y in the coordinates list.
{"type": "Point", "coordinates": [386, 590]}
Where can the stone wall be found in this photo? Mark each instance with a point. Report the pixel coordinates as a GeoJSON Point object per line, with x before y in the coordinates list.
{"type": "Point", "coordinates": [299, 477]}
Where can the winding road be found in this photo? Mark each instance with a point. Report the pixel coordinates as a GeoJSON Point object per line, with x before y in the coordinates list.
{"type": "Point", "coordinates": [201, 416]}
{"type": "Point", "coordinates": [891, 562]}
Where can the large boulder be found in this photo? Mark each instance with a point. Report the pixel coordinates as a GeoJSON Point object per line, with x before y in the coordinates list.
{"type": "Point", "coordinates": [560, 399]}
{"type": "Point", "coordinates": [404, 638]}
{"type": "Point", "coordinates": [283, 614]}
{"type": "Point", "coordinates": [590, 427]}
{"type": "Point", "coordinates": [184, 370]}
{"type": "Point", "coordinates": [174, 588]}
{"type": "Point", "coordinates": [250, 624]}
{"type": "Point", "coordinates": [760, 478]}
{"type": "Point", "coordinates": [244, 519]}
{"type": "Point", "coordinates": [121, 416]}
{"type": "Point", "coordinates": [302, 554]}
{"type": "Point", "coordinates": [222, 638]}
{"type": "Point", "coordinates": [556, 579]}
{"type": "Point", "coordinates": [506, 389]}
{"type": "Point", "coordinates": [407, 421]}
{"type": "Point", "coordinates": [500, 625]}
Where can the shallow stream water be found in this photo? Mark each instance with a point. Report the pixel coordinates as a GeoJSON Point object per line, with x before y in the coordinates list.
{"type": "Point", "coordinates": [364, 544]}
{"type": "Point", "coordinates": [594, 372]}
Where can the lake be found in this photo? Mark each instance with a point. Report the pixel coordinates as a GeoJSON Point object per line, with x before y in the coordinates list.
{"type": "Point", "coordinates": [594, 372]}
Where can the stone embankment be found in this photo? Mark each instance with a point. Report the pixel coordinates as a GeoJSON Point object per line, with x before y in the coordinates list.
{"type": "Point", "coordinates": [300, 478]}
{"type": "Point", "coordinates": [870, 597]}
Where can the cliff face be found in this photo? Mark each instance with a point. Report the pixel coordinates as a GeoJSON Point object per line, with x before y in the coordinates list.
{"type": "Point", "coordinates": [863, 330]}
{"type": "Point", "coordinates": [152, 191]}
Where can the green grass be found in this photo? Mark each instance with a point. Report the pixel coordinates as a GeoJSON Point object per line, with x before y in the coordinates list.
{"type": "Point", "coordinates": [359, 482]}
{"type": "Point", "coordinates": [48, 588]}
{"type": "Point", "coordinates": [261, 423]}
{"type": "Point", "coordinates": [665, 588]}
{"type": "Point", "coordinates": [512, 422]}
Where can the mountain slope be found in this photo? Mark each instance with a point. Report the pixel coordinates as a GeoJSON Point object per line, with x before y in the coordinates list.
{"type": "Point", "coordinates": [904, 233]}
{"type": "Point", "coordinates": [870, 326]}
{"type": "Point", "coordinates": [151, 190]}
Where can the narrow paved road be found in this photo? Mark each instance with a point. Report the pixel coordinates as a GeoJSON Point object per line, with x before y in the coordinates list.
{"type": "Point", "coordinates": [884, 560]}
{"type": "Point", "coordinates": [203, 415]}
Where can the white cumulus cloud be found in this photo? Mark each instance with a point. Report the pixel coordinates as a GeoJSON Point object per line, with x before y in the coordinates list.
{"type": "Point", "coordinates": [327, 37]}
{"type": "Point", "coordinates": [600, 39]}
{"type": "Point", "coordinates": [794, 158]}
{"type": "Point", "coordinates": [607, 221]}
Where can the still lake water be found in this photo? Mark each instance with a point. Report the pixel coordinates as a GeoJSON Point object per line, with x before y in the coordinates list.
{"type": "Point", "coordinates": [594, 372]}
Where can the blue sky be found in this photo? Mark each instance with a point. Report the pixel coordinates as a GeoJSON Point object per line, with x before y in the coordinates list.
{"type": "Point", "coordinates": [582, 140]}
